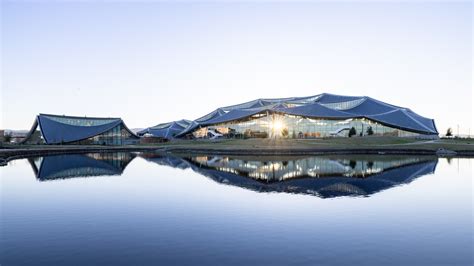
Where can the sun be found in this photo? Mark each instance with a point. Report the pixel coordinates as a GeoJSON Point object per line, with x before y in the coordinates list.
{"type": "Point", "coordinates": [277, 125]}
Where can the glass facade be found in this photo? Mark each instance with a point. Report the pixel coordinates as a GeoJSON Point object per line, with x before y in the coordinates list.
{"type": "Point", "coordinates": [118, 160]}
{"type": "Point", "coordinates": [118, 135]}
{"type": "Point", "coordinates": [266, 125]}
{"type": "Point", "coordinates": [81, 121]}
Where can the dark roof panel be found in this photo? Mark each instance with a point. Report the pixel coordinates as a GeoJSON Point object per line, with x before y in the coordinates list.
{"type": "Point", "coordinates": [332, 98]}
{"type": "Point", "coordinates": [57, 132]}
{"type": "Point", "coordinates": [399, 118]}
{"type": "Point", "coordinates": [231, 115]}
{"type": "Point", "coordinates": [315, 110]}
{"type": "Point", "coordinates": [57, 129]}
{"type": "Point", "coordinates": [370, 107]}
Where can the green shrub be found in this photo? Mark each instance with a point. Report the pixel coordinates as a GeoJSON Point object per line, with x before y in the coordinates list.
{"type": "Point", "coordinates": [7, 138]}
{"type": "Point", "coordinates": [352, 164]}
{"type": "Point", "coordinates": [352, 132]}
{"type": "Point", "coordinates": [449, 132]}
{"type": "Point", "coordinates": [370, 131]}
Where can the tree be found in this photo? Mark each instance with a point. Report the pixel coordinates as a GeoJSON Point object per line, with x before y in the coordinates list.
{"type": "Point", "coordinates": [352, 164]}
{"type": "Point", "coordinates": [352, 132]}
{"type": "Point", "coordinates": [370, 131]}
{"type": "Point", "coordinates": [7, 138]}
{"type": "Point", "coordinates": [449, 132]}
{"type": "Point", "coordinates": [370, 164]}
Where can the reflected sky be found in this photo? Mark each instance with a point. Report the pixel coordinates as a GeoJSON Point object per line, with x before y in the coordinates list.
{"type": "Point", "coordinates": [170, 210]}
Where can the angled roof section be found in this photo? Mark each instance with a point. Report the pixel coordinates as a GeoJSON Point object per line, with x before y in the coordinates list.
{"type": "Point", "coordinates": [232, 115]}
{"type": "Point", "coordinates": [315, 110]}
{"type": "Point", "coordinates": [216, 113]}
{"type": "Point", "coordinates": [427, 122]}
{"type": "Point", "coordinates": [333, 98]}
{"type": "Point", "coordinates": [370, 106]}
{"type": "Point", "coordinates": [166, 130]}
{"type": "Point", "coordinates": [400, 119]}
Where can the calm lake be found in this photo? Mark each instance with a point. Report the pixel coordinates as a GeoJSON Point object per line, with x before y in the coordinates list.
{"type": "Point", "coordinates": [149, 209]}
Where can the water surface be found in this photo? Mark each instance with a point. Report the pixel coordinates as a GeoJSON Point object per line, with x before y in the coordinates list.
{"type": "Point", "coordinates": [149, 208]}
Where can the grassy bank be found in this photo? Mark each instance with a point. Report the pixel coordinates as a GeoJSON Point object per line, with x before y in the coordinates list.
{"type": "Point", "coordinates": [333, 143]}
{"type": "Point", "coordinates": [336, 145]}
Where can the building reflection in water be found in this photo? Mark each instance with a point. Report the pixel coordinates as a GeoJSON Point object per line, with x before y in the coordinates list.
{"type": "Point", "coordinates": [323, 176]}
{"type": "Point", "coordinates": [80, 165]}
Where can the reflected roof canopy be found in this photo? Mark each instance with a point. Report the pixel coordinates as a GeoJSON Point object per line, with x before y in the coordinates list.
{"type": "Point", "coordinates": [321, 176]}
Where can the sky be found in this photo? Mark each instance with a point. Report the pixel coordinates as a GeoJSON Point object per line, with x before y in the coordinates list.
{"type": "Point", "coordinates": [152, 62]}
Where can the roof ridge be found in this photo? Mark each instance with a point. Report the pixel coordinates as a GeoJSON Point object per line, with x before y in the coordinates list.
{"type": "Point", "coordinates": [384, 103]}
{"type": "Point", "coordinates": [412, 118]}
{"type": "Point", "coordinates": [80, 117]}
{"type": "Point", "coordinates": [388, 112]}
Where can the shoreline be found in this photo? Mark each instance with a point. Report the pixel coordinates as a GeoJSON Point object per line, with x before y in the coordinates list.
{"type": "Point", "coordinates": [263, 147]}
{"type": "Point", "coordinates": [268, 152]}
{"type": "Point", "coordinates": [7, 155]}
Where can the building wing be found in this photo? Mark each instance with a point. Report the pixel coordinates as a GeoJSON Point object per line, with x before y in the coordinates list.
{"type": "Point", "coordinates": [321, 106]}
{"type": "Point", "coordinates": [58, 129]}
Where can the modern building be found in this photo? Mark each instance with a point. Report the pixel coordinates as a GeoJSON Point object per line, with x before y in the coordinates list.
{"type": "Point", "coordinates": [323, 115]}
{"type": "Point", "coordinates": [166, 130]}
{"type": "Point", "coordinates": [60, 129]}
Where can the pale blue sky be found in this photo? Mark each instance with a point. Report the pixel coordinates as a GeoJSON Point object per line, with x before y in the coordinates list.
{"type": "Point", "coordinates": [154, 62]}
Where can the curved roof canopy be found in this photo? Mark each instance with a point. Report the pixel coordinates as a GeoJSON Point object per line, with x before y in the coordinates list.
{"type": "Point", "coordinates": [166, 130]}
{"type": "Point", "coordinates": [324, 105]}
{"type": "Point", "coordinates": [64, 129]}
